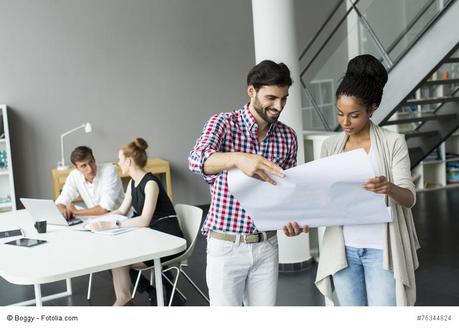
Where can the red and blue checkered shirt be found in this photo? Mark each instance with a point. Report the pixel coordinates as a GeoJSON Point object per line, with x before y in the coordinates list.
{"type": "Point", "coordinates": [237, 132]}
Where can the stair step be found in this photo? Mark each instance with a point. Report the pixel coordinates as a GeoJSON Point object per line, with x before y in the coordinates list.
{"type": "Point", "coordinates": [451, 60]}
{"type": "Point", "coordinates": [441, 81]}
{"type": "Point", "coordinates": [421, 118]}
{"type": "Point", "coordinates": [415, 151]}
{"type": "Point", "coordinates": [414, 134]}
{"type": "Point", "coordinates": [430, 101]}
{"type": "Point", "coordinates": [416, 155]}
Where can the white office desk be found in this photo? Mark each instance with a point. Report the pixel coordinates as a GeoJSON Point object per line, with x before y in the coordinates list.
{"type": "Point", "coordinates": [69, 253]}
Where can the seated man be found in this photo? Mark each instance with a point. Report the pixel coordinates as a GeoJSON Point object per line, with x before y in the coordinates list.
{"type": "Point", "coordinates": [99, 186]}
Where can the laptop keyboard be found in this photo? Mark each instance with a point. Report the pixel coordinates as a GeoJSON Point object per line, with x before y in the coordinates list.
{"type": "Point", "coordinates": [74, 221]}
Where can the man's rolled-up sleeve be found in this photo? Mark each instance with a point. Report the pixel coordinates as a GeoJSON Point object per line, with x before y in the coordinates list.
{"type": "Point", "coordinates": [69, 191]}
{"type": "Point", "coordinates": [292, 161]}
{"type": "Point", "coordinates": [111, 190]}
{"type": "Point", "coordinates": [207, 144]}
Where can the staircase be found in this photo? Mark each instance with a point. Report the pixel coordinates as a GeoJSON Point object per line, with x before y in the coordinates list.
{"type": "Point", "coordinates": [428, 121]}
{"type": "Point", "coordinates": [415, 57]}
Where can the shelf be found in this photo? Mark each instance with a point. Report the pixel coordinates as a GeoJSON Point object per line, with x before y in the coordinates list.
{"type": "Point", "coordinates": [448, 186]}
{"type": "Point", "coordinates": [6, 171]}
{"type": "Point", "coordinates": [435, 161]}
{"type": "Point", "coordinates": [455, 159]}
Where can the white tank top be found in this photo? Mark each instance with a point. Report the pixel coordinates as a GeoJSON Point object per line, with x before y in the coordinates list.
{"type": "Point", "coordinates": [366, 235]}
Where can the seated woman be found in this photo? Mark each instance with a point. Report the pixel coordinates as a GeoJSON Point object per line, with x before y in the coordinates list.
{"type": "Point", "coordinates": [152, 208]}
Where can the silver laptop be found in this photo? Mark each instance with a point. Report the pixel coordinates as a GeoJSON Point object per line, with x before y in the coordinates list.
{"type": "Point", "coordinates": [46, 209]}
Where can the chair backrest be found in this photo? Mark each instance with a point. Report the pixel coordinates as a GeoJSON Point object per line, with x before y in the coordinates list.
{"type": "Point", "coordinates": [190, 221]}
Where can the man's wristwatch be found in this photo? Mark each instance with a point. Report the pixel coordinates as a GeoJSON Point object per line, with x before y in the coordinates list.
{"type": "Point", "coordinates": [118, 223]}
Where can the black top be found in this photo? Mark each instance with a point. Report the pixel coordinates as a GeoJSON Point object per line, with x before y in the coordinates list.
{"type": "Point", "coordinates": [163, 207]}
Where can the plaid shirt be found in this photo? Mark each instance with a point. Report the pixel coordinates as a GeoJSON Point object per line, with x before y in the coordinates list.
{"type": "Point", "coordinates": [237, 132]}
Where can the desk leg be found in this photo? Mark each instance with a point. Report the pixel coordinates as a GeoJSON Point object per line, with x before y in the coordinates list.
{"type": "Point", "coordinates": [68, 283]}
{"type": "Point", "coordinates": [159, 282]}
{"type": "Point", "coordinates": [37, 294]}
{"type": "Point", "coordinates": [39, 299]}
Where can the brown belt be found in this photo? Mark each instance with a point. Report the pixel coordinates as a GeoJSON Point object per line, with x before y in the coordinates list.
{"type": "Point", "coordinates": [243, 238]}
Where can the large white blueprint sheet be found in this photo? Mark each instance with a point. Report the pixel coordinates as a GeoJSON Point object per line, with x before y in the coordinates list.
{"type": "Point", "coordinates": [325, 192]}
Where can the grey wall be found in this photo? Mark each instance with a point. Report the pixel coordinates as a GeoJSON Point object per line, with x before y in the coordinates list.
{"type": "Point", "coordinates": [156, 69]}
{"type": "Point", "coordinates": [151, 68]}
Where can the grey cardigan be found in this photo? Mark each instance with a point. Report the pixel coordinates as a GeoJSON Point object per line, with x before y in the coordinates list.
{"type": "Point", "coordinates": [401, 241]}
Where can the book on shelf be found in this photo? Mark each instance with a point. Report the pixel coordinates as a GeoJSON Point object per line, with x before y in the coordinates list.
{"type": "Point", "coordinates": [435, 155]}
{"type": "Point", "coordinates": [452, 156]}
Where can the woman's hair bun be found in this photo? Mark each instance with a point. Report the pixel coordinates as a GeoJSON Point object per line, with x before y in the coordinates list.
{"type": "Point", "coordinates": [364, 79]}
{"type": "Point", "coordinates": [140, 143]}
{"type": "Point", "coordinates": [367, 67]}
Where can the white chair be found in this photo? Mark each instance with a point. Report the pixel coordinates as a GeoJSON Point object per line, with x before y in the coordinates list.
{"type": "Point", "coordinates": [190, 221]}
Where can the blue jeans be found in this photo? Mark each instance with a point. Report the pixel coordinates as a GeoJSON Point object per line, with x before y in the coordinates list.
{"type": "Point", "coordinates": [364, 281]}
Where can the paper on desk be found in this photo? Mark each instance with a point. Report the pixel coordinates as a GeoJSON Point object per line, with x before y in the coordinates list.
{"type": "Point", "coordinates": [107, 218]}
{"type": "Point", "coordinates": [325, 192]}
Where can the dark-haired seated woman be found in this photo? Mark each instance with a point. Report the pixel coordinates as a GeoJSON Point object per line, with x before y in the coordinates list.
{"type": "Point", "coordinates": [152, 208]}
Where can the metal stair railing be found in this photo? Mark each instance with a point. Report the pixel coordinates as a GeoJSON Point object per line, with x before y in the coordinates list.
{"type": "Point", "coordinates": [384, 53]}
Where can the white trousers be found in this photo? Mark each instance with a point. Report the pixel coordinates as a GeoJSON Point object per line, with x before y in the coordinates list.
{"type": "Point", "coordinates": [240, 273]}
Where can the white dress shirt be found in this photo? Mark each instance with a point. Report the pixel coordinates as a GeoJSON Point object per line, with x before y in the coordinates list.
{"type": "Point", "coordinates": [106, 190]}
